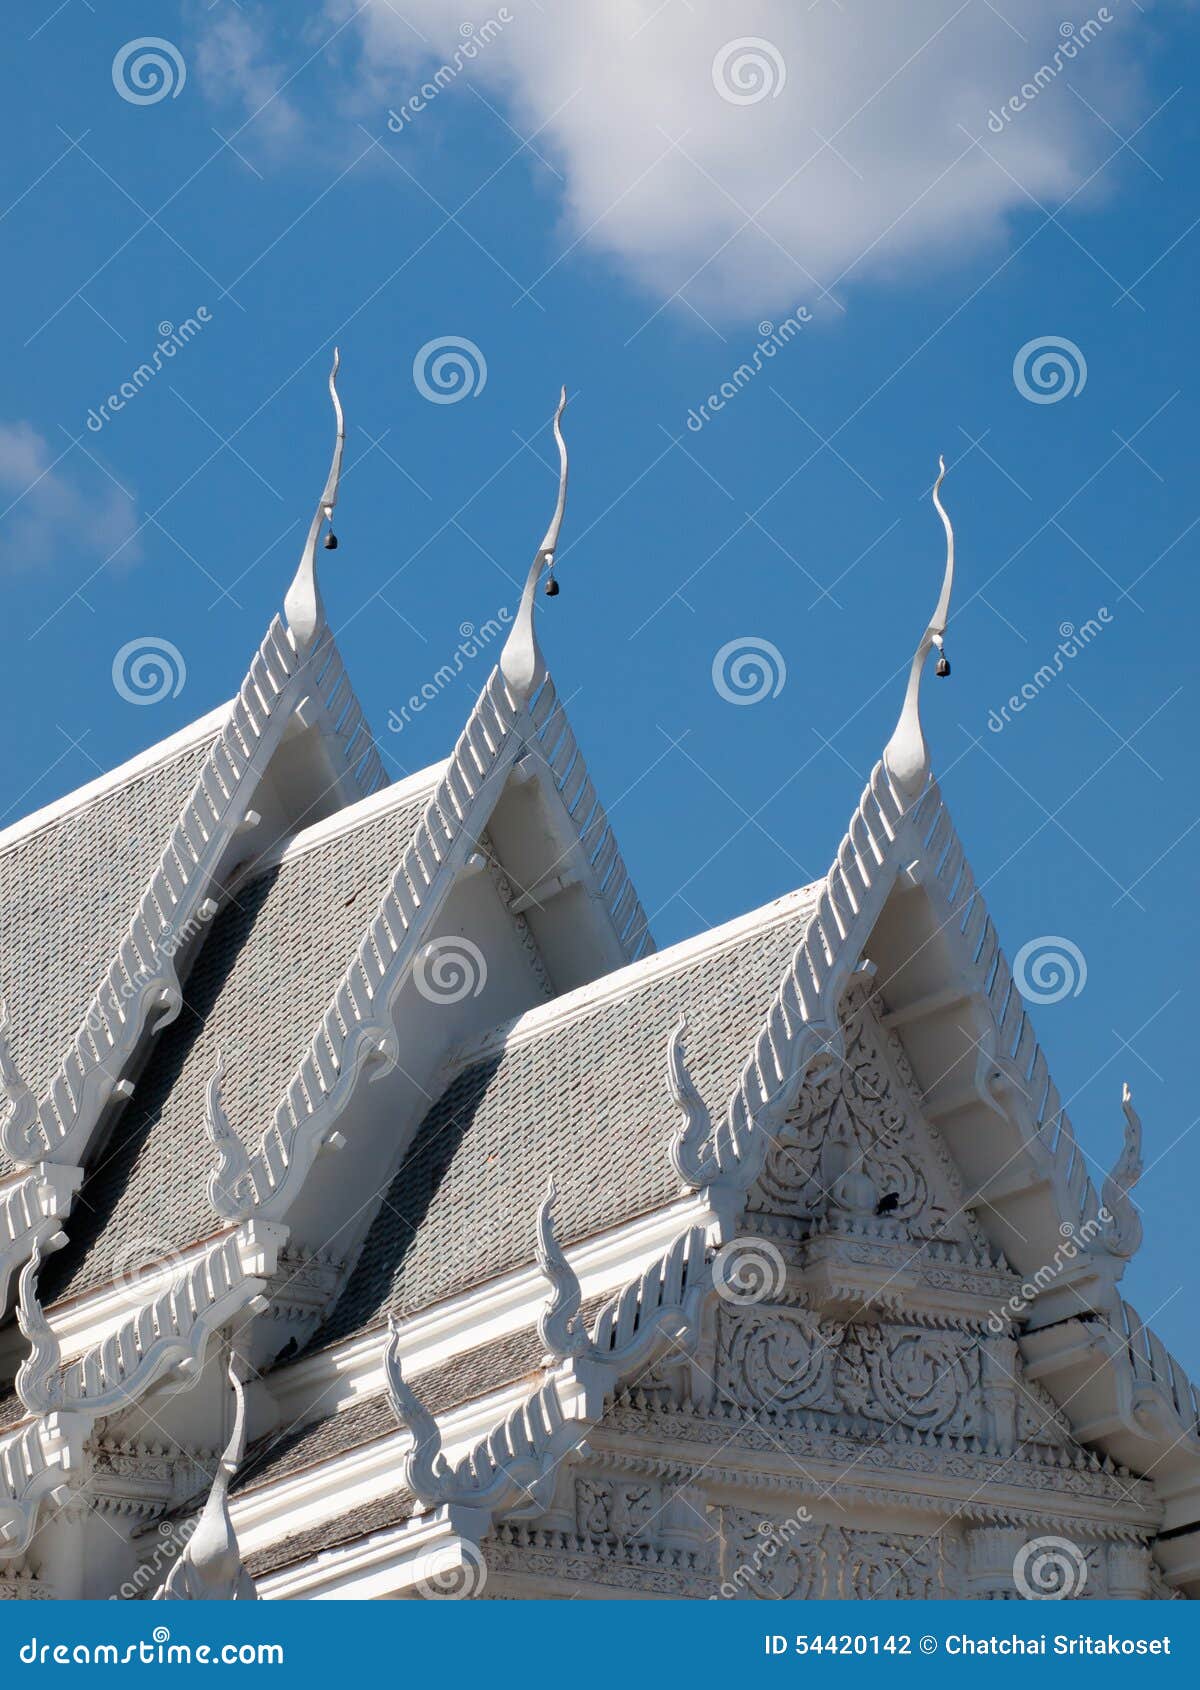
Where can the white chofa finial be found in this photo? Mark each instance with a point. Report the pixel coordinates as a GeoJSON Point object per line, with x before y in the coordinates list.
{"type": "Point", "coordinates": [521, 661]}
{"type": "Point", "coordinates": [303, 608]}
{"type": "Point", "coordinates": [907, 755]}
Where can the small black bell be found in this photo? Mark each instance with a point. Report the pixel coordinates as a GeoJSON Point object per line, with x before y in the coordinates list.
{"type": "Point", "coordinates": [551, 587]}
{"type": "Point", "coordinates": [331, 541]}
{"type": "Point", "coordinates": [943, 666]}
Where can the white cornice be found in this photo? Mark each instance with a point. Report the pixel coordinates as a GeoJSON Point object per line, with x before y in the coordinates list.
{"type": "Point", "coordinates": [384, 1564]}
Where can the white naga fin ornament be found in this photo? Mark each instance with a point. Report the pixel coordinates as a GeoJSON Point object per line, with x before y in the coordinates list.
{"type": "Point", "coordinates": [559, 1326]}
{"type": "Point", "coordinates": [210, 1568]}
{"type": "Point", "coordinates": [19, 1121]}
{"type": "Point", "coordinates": [1123, 1235]}
{"type": "Point", "coordinates": [906, 754]}
{"type": "Point", "coordinates": [302, 605]}
{"type": "Point", "coordinates": [521, 660]}
{"type": "Point", "coordinates": [693, 1134]}
{"type": "Point", "coordinates": [426, 1470]}
{"type": "Point", "coordinates": [38, 1383]}
{"type": "Point", "coordinates": [232, 1163]}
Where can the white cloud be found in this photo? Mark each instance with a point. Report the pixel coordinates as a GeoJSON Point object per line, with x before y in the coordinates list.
{"type": "Point", "coordinates": [869, 160]}
{"type": "Point", "coordinates": [45, 518]}
{"type": "Point", "coordinates": [235, 68]}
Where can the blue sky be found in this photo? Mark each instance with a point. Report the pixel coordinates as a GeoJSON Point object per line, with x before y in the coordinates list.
{"type": "Point", "coordinates": [621, 205]}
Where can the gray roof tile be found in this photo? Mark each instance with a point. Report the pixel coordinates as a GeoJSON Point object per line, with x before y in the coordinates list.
{"type": "Point", "coordinates": [263, 979]}
{"type": "Point", "coordinates": [472, 1374]}
{"type": "Point", "coordinates": [55, 955]}
{"type": "Point", "coordinates": [377, 1516]}
{"type": "Point", "coordinates": [583, 1099]}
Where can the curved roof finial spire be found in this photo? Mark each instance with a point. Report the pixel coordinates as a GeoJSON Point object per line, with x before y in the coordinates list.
{"type": "Point", "coordinates": [521, 660]}
{"type": "Point", "coordinates": [303, 608]}
{"type": "Point", "coordinates": [906, 753]}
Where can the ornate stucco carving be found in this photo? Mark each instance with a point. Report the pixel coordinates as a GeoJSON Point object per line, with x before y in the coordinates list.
{"type": "Point", "coordinates": [774, 1557]}
{"type": "Point", "coordinates": [853, 1121]}
{"type": "Point", "coordinates": [784, 1360]}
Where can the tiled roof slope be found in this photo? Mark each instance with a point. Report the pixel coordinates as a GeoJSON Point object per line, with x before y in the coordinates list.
{"type": "Point", "coordinates": [473, 1374]}
{"type": "Point", "coordinates": [104, 851]}
{"type": "Point", "coordinates": [263, 979]}
{"type": "Point", "coordinates": [577, 1090]}
{"type": "Point", "coordinates": [391, 1510]}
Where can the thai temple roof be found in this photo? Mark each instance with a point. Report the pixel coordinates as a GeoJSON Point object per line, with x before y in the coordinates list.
{"type": "Point", "coordinates": [357, 1131]}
